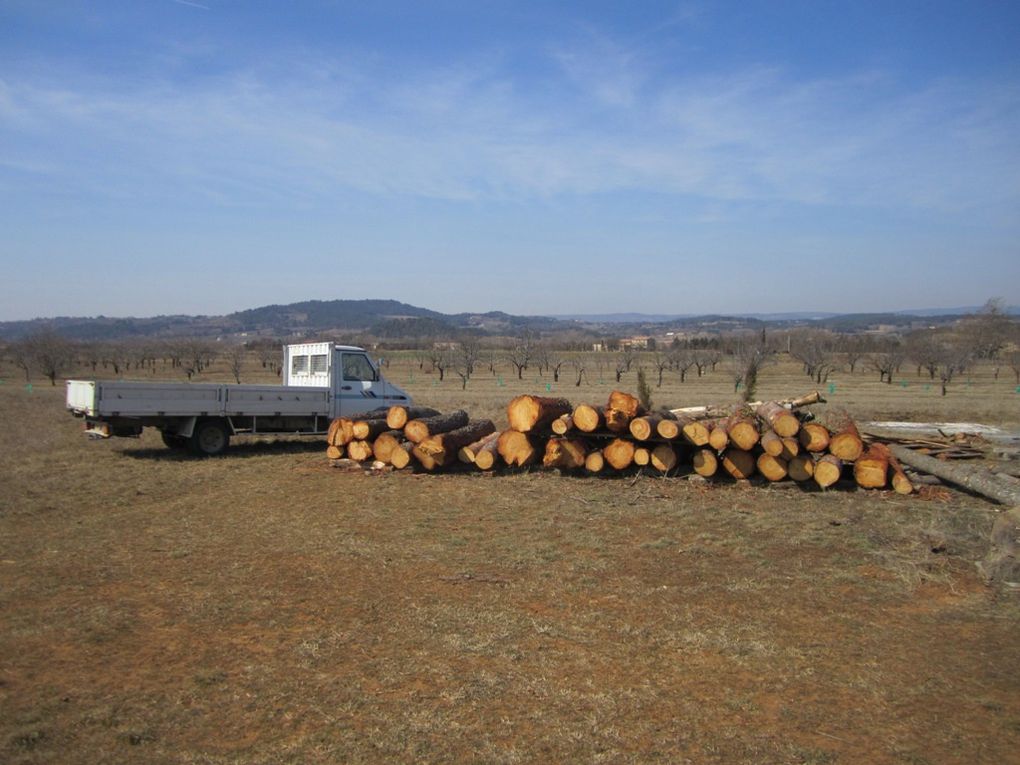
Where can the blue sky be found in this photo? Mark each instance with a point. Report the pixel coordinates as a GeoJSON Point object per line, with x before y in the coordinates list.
{"type": "Point", "coordinates": [164, 156]}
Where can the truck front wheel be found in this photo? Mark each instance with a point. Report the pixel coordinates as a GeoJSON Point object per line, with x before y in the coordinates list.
{"type": "Point", "coordinates": [209, 438]}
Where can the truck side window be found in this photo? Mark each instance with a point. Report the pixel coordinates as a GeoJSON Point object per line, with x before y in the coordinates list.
{"type": "Point", "coordinates": [299, 365]}
{"type": "Point", "coordinates": [319, 363]}
{"type": "Point", "coordinates": [357, 369]}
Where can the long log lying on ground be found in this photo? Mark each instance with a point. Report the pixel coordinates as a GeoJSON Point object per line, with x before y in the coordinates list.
{"type": "Point", "coordinates": [418, 430]}
{"type": "Point", "coordinates": [588, 418]}
{"type": "Point", "coordinates": [517, 449]}
{"type": "Point", "coordinates": [528, 413]}
{"type": "Point", "coordinates": [621, 409]}
{"type": "Point", "coordinates": [970, 477]}
{"type": "Point", "coordinates": [619, 453]}
{"type": "Point", "coordinates": [782, 420]}
{"type": "Point", "coordinates": [714, 410]}
{"type": "Point", "coordinates": [398, 416]}
{"type": "Point", "coordinates": [566, 453]}
{"type": "Point", "coordinates": [441, 449]}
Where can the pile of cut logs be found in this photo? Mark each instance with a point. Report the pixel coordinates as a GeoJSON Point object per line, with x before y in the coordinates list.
{"type": "Point", "coordinates": [776, 439]}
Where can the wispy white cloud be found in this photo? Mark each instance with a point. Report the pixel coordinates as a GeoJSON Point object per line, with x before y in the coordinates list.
{"type": "Point", "coordinates": [604, 121]}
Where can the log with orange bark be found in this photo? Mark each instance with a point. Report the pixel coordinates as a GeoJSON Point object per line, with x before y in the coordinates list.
{"type": "Point", "coordinates": [827, 470]}
{"type": "Point", "coordinates": [782, 420]}
{"type": "Point", "coordinates": [900, 482]}
{"type": "Point", "coordinates": [589, 418]}
{"type": "Point", "coordinates": [517, 449]}
{"type": "Point", "coordinates": [871, 469]}
{"type": "Point", "coordinates": [845, 442]}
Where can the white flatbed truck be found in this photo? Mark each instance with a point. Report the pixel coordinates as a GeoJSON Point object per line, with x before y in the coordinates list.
{"type": "Point", "coordinates": [321, 381]}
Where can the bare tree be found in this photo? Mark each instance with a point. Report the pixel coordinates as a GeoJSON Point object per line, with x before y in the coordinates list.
{"type": "Point", "coordinates": [987, 332]}
{"type": "Point", "coordinates": [520, 353]}
{"type": "Point", "coordinates": [1013, 358]}
{"type": "Point", "coordinates": [953, 359]}
{"type": "Point", "coordinates": [661, 363]}
{"type": "Point", "coordinates": [853, 349]}
{"type": "Point", "coordinates": [886, 363]}
{"type": "Point", "coordinates": [746, 362]}
{"type": "Point", "coordinates": [815, 351]}
{"type": "Point", "coordinates": [580, 365]}
{"type": "Point", "coordinates": [48, 352]}
{"type": "Point", "coordinates": [681, 359]}
{"type": "Point", "coordinates": [235, 356]}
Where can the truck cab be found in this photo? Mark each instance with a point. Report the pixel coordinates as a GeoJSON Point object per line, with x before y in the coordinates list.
{"type": "Point", "coordinates": [355, 383]}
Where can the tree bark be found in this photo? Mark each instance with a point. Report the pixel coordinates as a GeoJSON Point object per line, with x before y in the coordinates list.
{"type": "Point", "coordinates": [975, 479]}
{"type": "Point", "coordinates": [516, 448]}
{"type": "Point", "coordinates": [619, 453]}
{"type": "Point", "coordinates": [441, 449]}
{"type": "Point", "coordinates": [418, 430]}
{"type": "Point", "coordinates": [398, 416]}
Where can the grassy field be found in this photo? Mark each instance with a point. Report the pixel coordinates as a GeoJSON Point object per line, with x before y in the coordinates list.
{"type": "Point", "coordinates": [262, 607]}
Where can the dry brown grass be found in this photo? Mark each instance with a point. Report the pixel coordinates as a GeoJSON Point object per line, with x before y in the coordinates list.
{"type": "Point", "coordinates": [263, 608]}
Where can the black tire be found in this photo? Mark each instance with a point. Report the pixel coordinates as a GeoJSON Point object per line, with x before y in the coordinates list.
{"type": "Point", "coordinates": [209, 438]}
{"type": "Point", "coordinates": [174, 441]}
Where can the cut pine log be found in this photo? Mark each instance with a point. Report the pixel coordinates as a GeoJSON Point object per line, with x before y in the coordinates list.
{"type": "Point", "coordinates": [468, 453]}
{"type": "Point", "coordinates": [385, 443]}
{"type": "Point", "coordinates": [334, 452]}
{"type": "Point", "coordinates": [814, 436]}
{"type": "Point", "coordinates": [642, 456]}
{"type": "Point", "coordinates": [621, 409]}
{"type": "Point", "coordinates": [589, 418]}
{"type": "Point", "coordinates": [594, 462]}
{"type": "Point", "coordinates": [334, 426]}
{"type": "Point", "coordinates": [871, 469]}
{"type": "Point", "coordinates": [739, 463]}
{"type": "Point", "coordinates": [772, 467]}
{"type": "Point", "coordinates": [705, 463]}
{"type": "Point", "coordinates": [742, 432]}
{"type": "Point", "coordinates": [341, 432]}
{"type": "Point", "coordinates": [901, 483]}
{"type": "Point", "coordinates": [663, 458]}
{"type": "Point", "coordinates": [530, 413]}
{"type": "Point", "coordinates": [487, 454]}
{"type": "Point", "coordinates": [718, 436]}
{"type": "Point", "coordinates": [695, 432]}
{"type": "Point", "coordinates": [441, 449]}
{"type": "Point", "coordinates": [791, 448]}
{"type": "Point", "coordinates": [418, 430]}
{"type": "Point", "coordinates": [565, 453]}
{"type": "Point", "coordinates": [846, 444]}
{"type": "Point", "coordinates": [828, 470]}
{"type": "Point", "coordinates": [619, 453]}
{"type": "Point", "coordinates": [771, 442]}
{"type": "Point", "coordinates": [398, 416]}
{"type": "Point", "coordinates": [782, 420]}
{"type": "Point", "coordinates": [517, 449]}
{"type": "Point", "coordinates": [703, 412]}
{"type": "Point", "coordinates": [367, 430]}
{"type": "Point", "coordinates": [801, 467]}
{"type": "Point", "coordinates": [359, 451]}
{"type": "Point", "coordinates": [970, 477]}
{"type": "Point", "coordinates": [563, 424]}
{"type": "Point", "coordinates": [400, 457]}
{"type": "Point", "coordinates": [646, 426]}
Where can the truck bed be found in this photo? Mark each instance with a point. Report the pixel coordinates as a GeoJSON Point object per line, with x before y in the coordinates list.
{"type": "Point", "coordinates": [121, 398]}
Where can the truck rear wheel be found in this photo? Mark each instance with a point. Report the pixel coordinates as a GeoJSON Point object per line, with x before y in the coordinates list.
{"type": "Point", "coordinates": [209, 438]}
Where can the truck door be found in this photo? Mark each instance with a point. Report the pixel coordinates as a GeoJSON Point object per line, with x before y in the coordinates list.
{"type": "Point", "coordinates": [356, 377]}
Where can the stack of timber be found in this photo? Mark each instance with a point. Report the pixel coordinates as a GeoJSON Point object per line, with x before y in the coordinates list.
{"type": "Point", "coordinates": [775, 440]}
